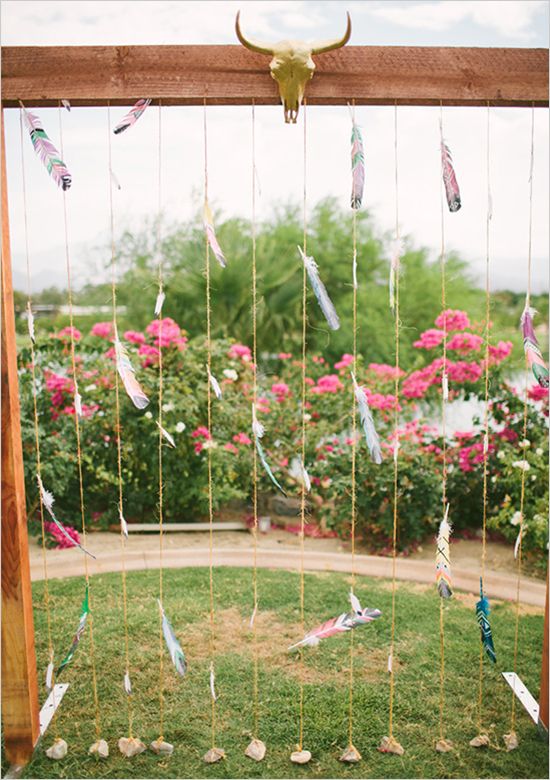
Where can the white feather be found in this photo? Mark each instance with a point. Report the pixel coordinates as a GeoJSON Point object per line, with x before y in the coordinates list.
{"type": "Point", "coordinates": [168, 436]}
{"type": "Point", "coordinates": [355, 603]}
{"type": "Point", "coordinates": [445, 387]}
{"type": "Point", "coordinates": [115, 180]}
{"type": "Point", "coordinates": [215, 384]}
{"type": "Point", "coordinates": [327, 307]}
{"type": "Point", "coordinates": [305, 478]}
{"type": "Point", "coordinates": [486, 443]}
{"type": "Point", "coordinates": [49, 676]}
{"type": "Point", "coordinates": [396, 446]}
{"type": "Point", "coordinates": [373, 442]}
{"type": "Point", "coordinates": [390, 663]}
{"type": "Point", "coordinates": [212, 682]}
{"type": "Point", "coordinates": [127, 683]}
{"type": "Point", "coordinates": [30, 322]}
{"type": "Point", "coordinates": [161, 297]}
{"type": "Point", "coordinates": [78, 403]}
{"type": "Point", "coordinates": [47, 497]}
{"type": "Point", "coordinates": [257, 428]}
{"type": "Point", "coordinates": [252, 617]}
{"type": "Point", "coordinates": [355, 285]}
{"type": "Point", "coordinates": [66, 104]}
{"type": "Point", "coordinates": [123, 524]}
{"type": "Point", "coordinates": [516, 546]}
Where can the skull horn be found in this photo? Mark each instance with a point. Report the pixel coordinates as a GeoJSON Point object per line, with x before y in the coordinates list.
{"type": "Point", "coordinates": [258, 47]}
{"type": "Point", "coordinates": [320, 47]}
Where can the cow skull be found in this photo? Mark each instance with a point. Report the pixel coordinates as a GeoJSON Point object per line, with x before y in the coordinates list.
{"type": "Point", "coordinates": [292, 65]}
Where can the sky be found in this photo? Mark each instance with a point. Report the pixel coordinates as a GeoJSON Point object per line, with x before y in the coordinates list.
{"type": "Point", "coordinates": [86, 136]}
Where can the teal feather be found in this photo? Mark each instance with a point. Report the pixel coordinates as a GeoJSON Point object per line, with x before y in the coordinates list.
{"type": "Point", "coordinates": [482, 615]}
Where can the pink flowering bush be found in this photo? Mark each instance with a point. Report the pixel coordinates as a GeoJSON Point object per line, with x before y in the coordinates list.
{"type": "Point", "coordinates": [329, 432]}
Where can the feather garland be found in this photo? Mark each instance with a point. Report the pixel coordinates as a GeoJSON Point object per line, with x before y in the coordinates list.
{"type": "Point", "coordinates": [47, 151]}
{"type": "Point", "coordinates": [452, 192]}
{"type": "Point", "coordinates": [48, 501]}
{"type": "Point", "coordinates": [365, 415]}
{"type": "Point", "coordinates": [482, 615]}
{"type": "Point", "coordinates": [132, 116]}
{"type": "Point", "coordinates": [531, 347]}
{"type": "Point", "coordinates": [161, 297]}
{"type": "Point", "coordinates": [172, 643]}
{"type": "Point", "coordinates": [212, 683]}
{"type": "Point", "coordinates": [443, 558]}
{"type": "Point", "coordinates": [84, 612]}
{"type": "Point", "coordinates": [211, 236]}
{"type": "Point", "coordinates": [358, 616]}
{"type": "Point", "coordinates": [327, 307]}
{"type": "Point", "coordinates": [168, 436]}
{"type": "Point", "coordinates": [214, 384]}
{"type": "Point", "coordinates": [126, 372]}
{"type": "Point", "coordinates": [127, 683]}
{"type": "Point", "coordinates": [30, 322]}
{"type": "Point", "coordinates": [357, 166]}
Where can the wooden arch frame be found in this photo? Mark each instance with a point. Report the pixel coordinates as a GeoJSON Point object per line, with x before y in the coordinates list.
{"type": "Point", "coordinates": [185, 75]}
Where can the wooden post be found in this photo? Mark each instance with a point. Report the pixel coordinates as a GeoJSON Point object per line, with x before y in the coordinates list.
{"type": "Point", "coordinates": [543, 698]}
{"type": "Point", "coordinates": [19, 685]}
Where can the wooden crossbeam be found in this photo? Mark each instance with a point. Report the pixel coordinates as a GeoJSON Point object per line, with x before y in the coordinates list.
{"type": "Point", "coordinates": [232, 75]}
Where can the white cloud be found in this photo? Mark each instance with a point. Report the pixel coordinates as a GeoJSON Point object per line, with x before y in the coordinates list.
{"type": "Point", "coordinates": [511, 18]}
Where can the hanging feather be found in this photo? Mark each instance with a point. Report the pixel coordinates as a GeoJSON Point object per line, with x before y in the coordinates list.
{"type": "Point", "coordinates": [161, 297]}
{"type": "Point", "coordinates": [123, 524]}
{"type": "Point", "coordinates": [390, 663]}
{"type": "Point", "coordinates": [482, 614]}
{"type": "Point", "coordinates": [211, 236]}
{"type": "Point", "coordinates": [253, 617]}
{"type": "Point", "coordinates": [49, 676]}
{"type": "Point", "coordinates": [84, 612]}
{"type": "Point", "coordinates": [257, 428]}
{"type": "Point", "coordinates": [172, 643]}
{"type": "Point", "coordinates": [344, 622]}
{"type": "Point", "coordinates": [265, 464]}
{"type": "Point", "coordinates": [395, 265]}
{"type": "Point", "coordinates": [168, 436]}
{"type": "Point", "coordinates": [77, 402]}
{"type": "Point", "coordinates": [305, 478]}
{"type": "Point", "coordinates": [47, 151]}
{"type": "Point", "coordinates": [354, 270]}
{"type": "Point", "coordinates": [126, 372]}
{"type": "Point", "coordinates": [443, 558]}
{"type": "Point", "coordinates": [452, 193]}
{"type": "Point", "coordinates": [48, 501]}
{"type": "Point", "coordinates": [214, 384]}
{"type": "Point", "coordinates": [365, 415]}
{"type": "Point", "coordinates": [212, 683]}
{"type": "Point", "coordinates": [127, 683]}
{"type": "Point", "coordinates": [30, 322]}
{"type": "Point", "coordinates": [327, 307]}
{"type": "Point", "coordinates": [132, 116]}
{"type": "Point", "coordinates": [517, 544]}
{"type": "Point", "coordinates": [357, 166]}
{"type": "Point", "coordinates": [531, 347]}
{"type": "Point", "coordinates": [66, 104]}
{"type": "Point", "coordinates": [445, 386]}
{"type": "Point", "coordinates": [115, 180]}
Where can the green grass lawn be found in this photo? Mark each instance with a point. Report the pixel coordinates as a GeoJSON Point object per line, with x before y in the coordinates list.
{"type": "Point", "coordinates": [187, 719]}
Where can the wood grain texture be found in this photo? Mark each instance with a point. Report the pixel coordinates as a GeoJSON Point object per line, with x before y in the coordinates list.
{"type": "Point", "coordinates": [232, 75]}
{"type": "Point", "coordinates": [19, 684]}
{"type": "Point", "coordinates": [543, 698]}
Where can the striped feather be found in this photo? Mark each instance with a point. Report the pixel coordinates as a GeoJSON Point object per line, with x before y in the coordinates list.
{"type": "Point", "coordinates": [132, 116]}
{"type": "Point", "coordinates": [443, 558]}
{"type": "Point", "coordinates": [327, 307]}
{"type": "Point", "coordinates": [482, 615]}
{"type": "Point", "coordinates": [47, 151]}
{"type": "Point", "coordinates": [84, 612]}
{"type": "Point", "coordinates": [452, 192]}
{"type": "Point", "coordinates": [172, 643]}
{"type": "Point", "coordinates": [357, 167]}
{"type": "Point", "coordinates": [531, 348]}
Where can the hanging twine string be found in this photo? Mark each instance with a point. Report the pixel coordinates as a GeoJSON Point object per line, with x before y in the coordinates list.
{"type": "Point", "coordinates": [525, 409]}
{"type": "Point", "coordinates": [118, 430]}
{"type": "Point", "coordinates": [47, 604]}
{"type": "Point", "coordinates": [444, 446]}
{"type": "Point", "coordinates": [209, 425]}
{"type": "Point", "coordinates": [397, 324]}
{"type": "Point", "coordinates": [353, 461]}
{"type": "Point", "coordinates": [255, 689]}
{"type": "Point", "coordinates": [97, 717]}
{"type": "Point", "coordinates": [303, 434]}
{"type": "Point", "coordinates": [160, 434]}
{"type": "Point", "coordinates": [486, 412]}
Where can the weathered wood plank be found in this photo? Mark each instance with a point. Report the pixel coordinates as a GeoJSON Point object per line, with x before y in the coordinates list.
{"type": "Point", "coordinates": [543, 697]}
{"type": "Point", "coordinates": [19, 685]}
{"type": "Point", "coordinates": [232, 75]}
